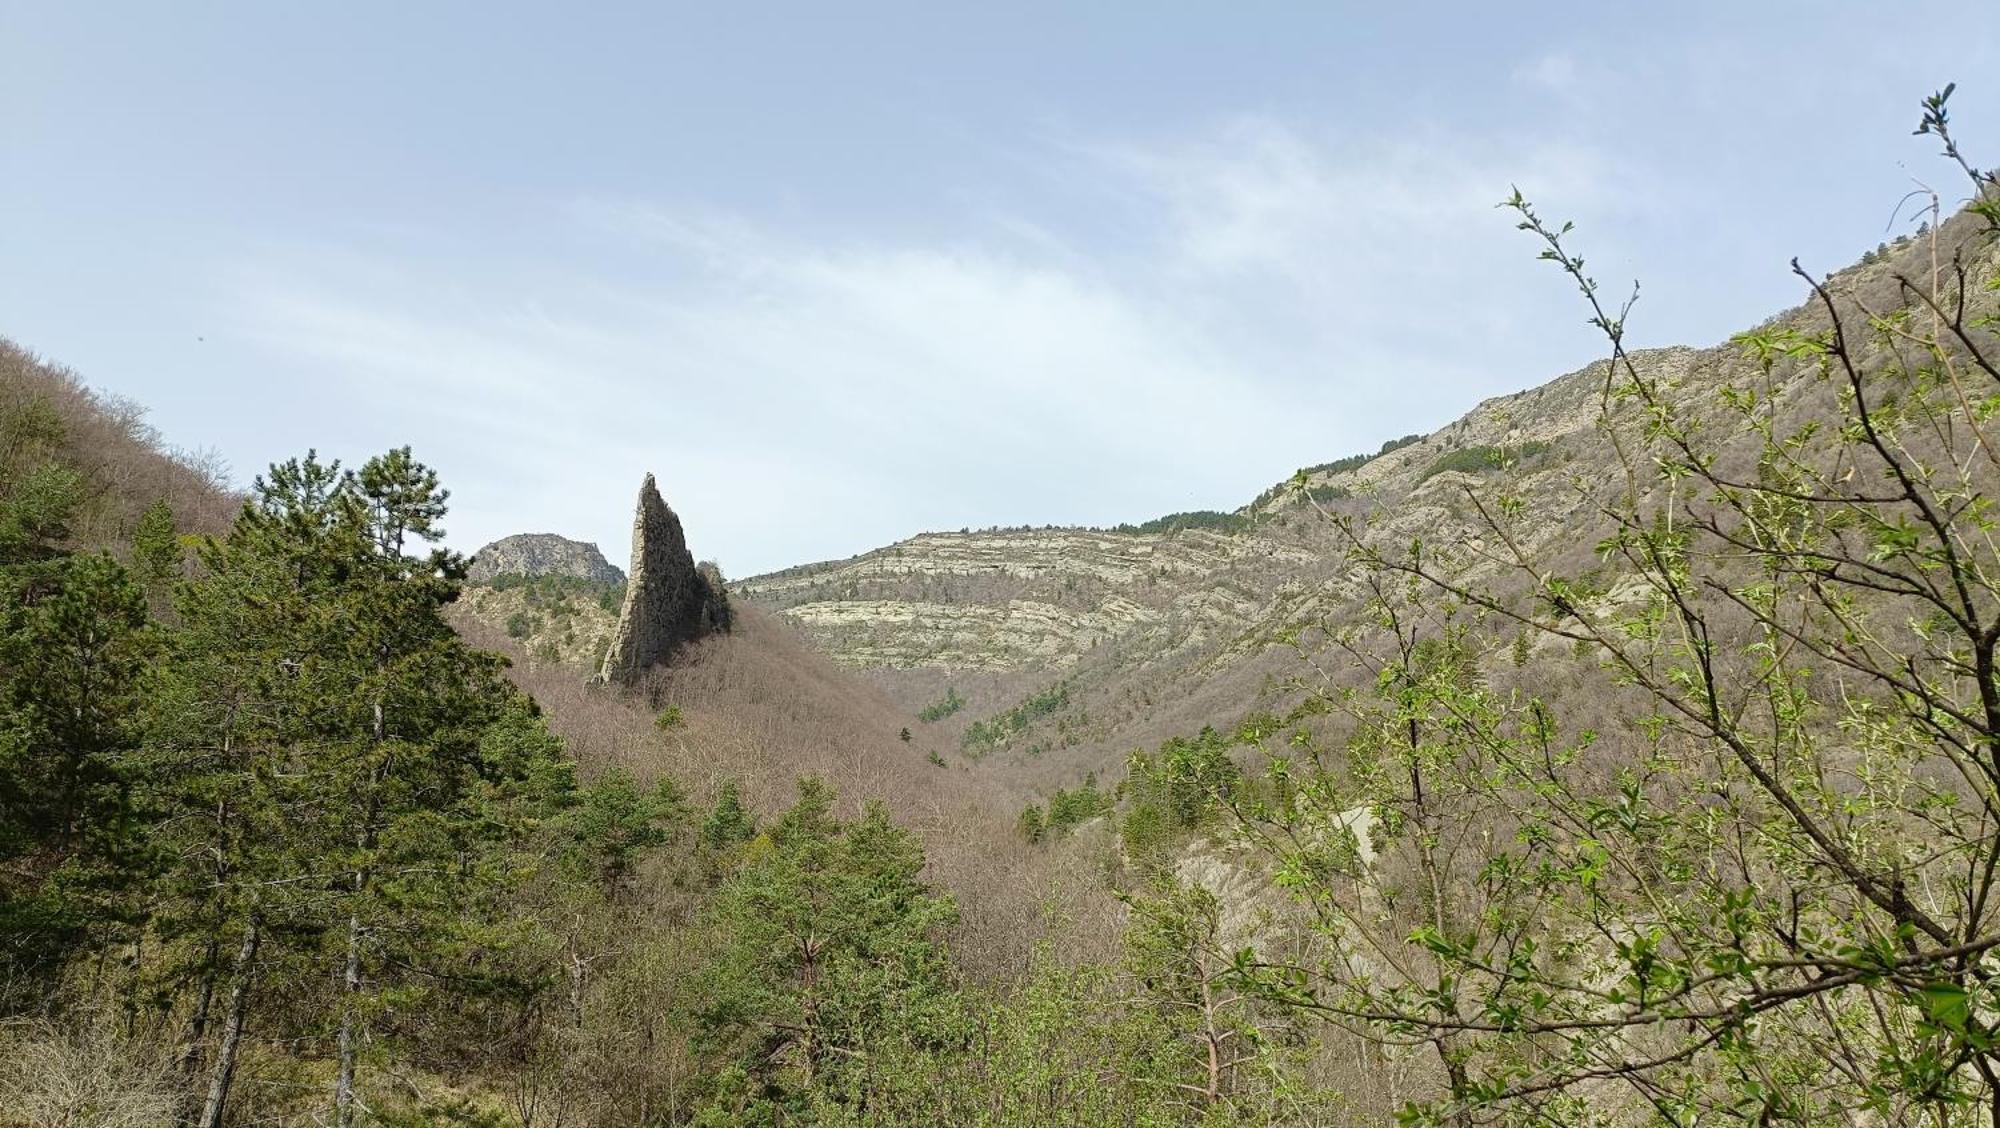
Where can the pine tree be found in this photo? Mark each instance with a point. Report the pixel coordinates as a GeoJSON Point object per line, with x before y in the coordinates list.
{"type": "Point", "coordinates": [250, 686]}
{"type": "Point", "coordinates": [825, 943]}
{"type": "Point", "coordinates": [71, 652]}
{"type": "Point", "coordinates": [1030, 822]}
{"type": "Point", "coordinates": [614, 823]}
{"type": "Point", "coordinates": [728, 821]}
{"type": "Point", "coordinates": [156, 547]}
{"type": "Point", "coordinates": [326, 720]}
{"type": "Point", "coordinates": [1173, 949]}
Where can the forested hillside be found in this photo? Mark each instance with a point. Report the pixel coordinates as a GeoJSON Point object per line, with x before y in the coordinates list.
{"type": "Point", "coordinates": [84, 468]}
{"type": "Point", "coordinates": [1626, 753]}
{"type": "Point", "coordinates": [277, 837]}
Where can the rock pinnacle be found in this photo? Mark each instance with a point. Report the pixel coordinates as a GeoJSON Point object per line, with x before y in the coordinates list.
{"type": "Point", "coordinates": [668, 601]}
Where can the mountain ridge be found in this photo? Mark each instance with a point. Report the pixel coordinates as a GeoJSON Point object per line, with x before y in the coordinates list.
{"type": "Point", "coordinates": [1157, 635]}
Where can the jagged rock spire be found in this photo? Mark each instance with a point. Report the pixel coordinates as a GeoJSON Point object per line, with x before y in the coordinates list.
{"type": "Point", "coordinates": [668, 601]}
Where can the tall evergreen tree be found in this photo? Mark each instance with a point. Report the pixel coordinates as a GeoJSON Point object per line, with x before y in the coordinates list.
{"type": "Point", "coordinates": [728, 822]}
{"type": "Point", "coordinates": [71, 651]}
{"type": "Point", "coordinates": [826, 942]}
{"type": "Point", "coordinates": [331, 735]}
{"type": "Point", "coordinates": [156, 547]}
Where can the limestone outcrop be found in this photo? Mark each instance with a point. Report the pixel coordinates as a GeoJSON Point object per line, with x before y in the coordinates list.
{"type": "Point", "coordinates": [541, 554]}
{"type": "Point", "coordinates": [668, 600]}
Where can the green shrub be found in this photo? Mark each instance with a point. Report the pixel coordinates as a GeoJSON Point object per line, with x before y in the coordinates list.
{"type": "Point", "coordinates": [557, 591]}
{"type": "Point", "coordinates": [1483, 459]}
{"type": "Point", "coordinates": [1188, 779]}
{"type": "Point", "coordinates": [1357, 461]}
{"type": "Point", "coordinates": [1068, 809]}
{"type": "Point", "coordinates": [1072, 808]}
{"type": "Point", "coordinates": [939, 710]}
{"type": "Point", "coordinates": [1338, 466]}
{"type": "Point", "coordinates": [670, 718]}
{"type": "Point", "coordinates": [1210, 519]}
{"type": "Point", "coordinates": [983, 735]}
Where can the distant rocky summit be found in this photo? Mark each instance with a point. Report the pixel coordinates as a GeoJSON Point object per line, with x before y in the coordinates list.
{"type": "Point", "coordinates": [541, 554]}
{"type": "Point", "coordinates": [668, 600]}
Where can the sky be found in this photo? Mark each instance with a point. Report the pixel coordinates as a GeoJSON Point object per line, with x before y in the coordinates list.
{"type": "Point", "coordinates": [842, 273]}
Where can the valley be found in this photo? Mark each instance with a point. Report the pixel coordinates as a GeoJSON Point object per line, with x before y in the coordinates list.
{"type": "Point", "coordinates": [1624, 752]}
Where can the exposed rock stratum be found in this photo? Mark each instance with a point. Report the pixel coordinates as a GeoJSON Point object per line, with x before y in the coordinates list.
{"type": "Point", "coordinates": [669, 601]}
{"type": "Point", "coordinates": [541, 554]}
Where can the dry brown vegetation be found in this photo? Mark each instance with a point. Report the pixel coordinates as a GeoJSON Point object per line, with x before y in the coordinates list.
{"type": "Point", "coordinates": [82, 1075]}
{"type": "Point", "coordinates": [125, 463]}
{"type": "Point", "coordinates": [761, 708]}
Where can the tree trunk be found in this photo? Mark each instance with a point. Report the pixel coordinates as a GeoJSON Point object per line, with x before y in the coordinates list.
{"type": "Point", "coordinates": [211, 972]}
{"type": "Point", "coordinates": [198, 1024]}
{"type": "Point", "coordinates": [343, 1086]}
{"type": "Point", "coordinates": [1211, 1032]}
{"type": "Point", "coordinates": [350, 983]}
{"type": "Point", "coordinates": [224, 1070]}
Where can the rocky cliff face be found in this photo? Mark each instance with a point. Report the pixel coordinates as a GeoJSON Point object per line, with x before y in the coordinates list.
{"type": "Point", "coordinates": [1018, 600]}
{"type": "Point", "coordinates": [668, 600]}
{"type": "Point", "coordinates": [1153, 616]}
{"type": "Point", "coordinates": [542, 554]}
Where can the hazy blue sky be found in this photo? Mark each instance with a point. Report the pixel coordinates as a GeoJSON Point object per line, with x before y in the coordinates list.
{"type": "Point", "coordinates": [839, 273]}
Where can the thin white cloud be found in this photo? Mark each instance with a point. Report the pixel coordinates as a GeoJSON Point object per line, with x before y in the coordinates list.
{"type": "Point", "coordinates": [1379, 259]}
{"type": "Point", "coordinates": [1260, 196]}
{"type": "Point", "coordinates": [1556, 72]}
{"type": "Point", "coordinates": [1290, 298]}
{"type": "Point", "coordinates": [926, 382]}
